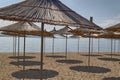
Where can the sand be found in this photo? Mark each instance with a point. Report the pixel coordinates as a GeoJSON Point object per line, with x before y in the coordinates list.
{"type": "Point", "coordinates": [56, 67]}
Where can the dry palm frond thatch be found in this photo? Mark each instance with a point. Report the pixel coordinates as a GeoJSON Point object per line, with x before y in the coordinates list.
{"type": "Point", "coordinates": [45, 11]}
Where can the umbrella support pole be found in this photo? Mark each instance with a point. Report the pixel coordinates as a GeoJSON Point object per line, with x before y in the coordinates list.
{"type": "Point", "coordinates": [53, 47]}
{"type": "Point", "coordinates": [91, 45]}
{"type": "Point", "coordinates": [98, 45]}
{"type": "Point", "coordinates": [118, 46]}
{"type": "Point", "coordinates": [41, 67]}
{"type": "Point", "coordinates": [66, 48]}
{"type": "Point", "coordinates": [78, 44]}
{"type": "Point", "coordinates": [24, 52]}
{"type": "Point", "coordinates": [44, 45]}
{"type": "Point", "coordinates": [114, 45]}
{"type": "Point", "coordinates": [89, 52]}
{"type": "Point", "coordinates": [18, 48]}
{"type": "Point", "coordinates": [13, 46]}
{"type": "Point", "coordinates": [111, 47]}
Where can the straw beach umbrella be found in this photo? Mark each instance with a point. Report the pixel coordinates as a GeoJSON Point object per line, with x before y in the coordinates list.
{"type": "Point", "coordinates": [21, 28]}
{"type": "Point", "coordinates": [110, 35]}
{"type": "Point", "coordinates": [87, 32]}
{"type": "Point", "coordinates": [45, 11]}
{"type": "Point", "coordinates": [11, 33]}
{"type": "Point", "coordinates": [76, 34]}
{"type": "Point", "coordinates": [64, 32]}
{"type": "Point", "coordinates": [114, 28]}
{"type": "Point", "coordinates": [24, 28]}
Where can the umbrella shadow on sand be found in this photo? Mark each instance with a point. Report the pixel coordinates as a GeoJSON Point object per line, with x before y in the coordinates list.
{"type": "Point", "coordinates": [109, 59]}
{"type": "Point", "coordinates": [56, 56]}
{"type": "Point", "coordinates": [90, 69]}
{"type": "Point", "coordinates": [69, 61]}
{"type": "Point", "coordinates": [112, 78]}
{"type": "Point", "coordinates": [26, 63]}
{"type": "Point", "coordinates": [113, 54]}
{"type": "Point", "coordinates": [21, 57]}
{"type": "Point", "coordinates": [34, 74]}
{"type": "Point", "coordinates": [92, 55]}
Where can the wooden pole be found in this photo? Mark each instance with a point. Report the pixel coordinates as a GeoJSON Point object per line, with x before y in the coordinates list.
{"type": "Point", "coordinates": [118, 46]}
{"type": "Point", "coordinates": [66, 47]}
{"type": "Point", "coordinates": [111, 47]}
{"type": "Point", "coordinates": [13, 46]}
{"type": "Point", "coordinates": [41, 70]}
{"type": "Point", "coordinates": [78, 44]}
{"type": "Point", "coordinates": [114, 45]}
{"type": "Point", "coordinates": [24, 52]}
{"type": "Point", "coordinates": [53, 46]}
{"type": "Point", "coordinates": [91, 45]}
{"type": "Point", "coordinates": [18, 48]}
{"type": "Point", "coordinates": [89, 50]}
{"type": "Point", "coordinates": [98, 45]}
{"type": "Point", "coordinates": [44, 44]}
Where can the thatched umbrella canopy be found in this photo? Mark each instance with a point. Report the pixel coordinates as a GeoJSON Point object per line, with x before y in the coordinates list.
{"type": "Point", "coordinates": [114, 28]}
{"type": "Point", "coordinates": [11, 33]}
{"type": "Point", "coordinates": [112, 32]}
{"type": "Point", "coordinates": [46, 12]}
{"type": "Point", "coordinates": [107, 34]}
{"type": "Point", "coordinates": [21, 28]}
{"type": "Point", "coordinates": [82, 31]}
{"type": "Point", "coordinates": [63, 31]}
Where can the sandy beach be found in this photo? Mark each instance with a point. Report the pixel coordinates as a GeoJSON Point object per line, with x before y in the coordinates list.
{"type": "Point", "coordinates": [56, 67]}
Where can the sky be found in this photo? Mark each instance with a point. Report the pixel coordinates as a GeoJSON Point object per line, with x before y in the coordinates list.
{"type": "Point", "coordinates": [105, 13]}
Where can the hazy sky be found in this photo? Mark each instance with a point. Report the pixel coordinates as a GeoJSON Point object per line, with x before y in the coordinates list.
{"type": "Point", "coordinates": [105, 12]}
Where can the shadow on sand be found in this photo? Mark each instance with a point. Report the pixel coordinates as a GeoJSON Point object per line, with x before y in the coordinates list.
{"type": "Point", "coordinates": [112, 54]}
{"type": "Point", "coordinates": [21, 57]}
{"type": "Point", "coordinates": [34, 74]}
{"type": "Point", "coordinates": [69, 61]}
{"type": "Point", "coordinates": [112, 78]}
{"type": "Point", "coordinates": [109, 59]}
{"type": "Point", "coordinates": [90, 69]}
{"type": "Point", "coordinates": [56, 56]}
{"type": "Point", "coordinates": [92, 55]}
{"type": "Point", "coordinates": [26, 63]}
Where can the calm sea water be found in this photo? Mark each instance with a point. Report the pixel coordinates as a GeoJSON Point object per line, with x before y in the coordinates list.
{"type": "Point", "coordinates": [33, 44]}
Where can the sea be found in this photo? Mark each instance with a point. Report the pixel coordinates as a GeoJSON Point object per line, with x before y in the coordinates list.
{"type": "Point", "coordinates": [33, 44]}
